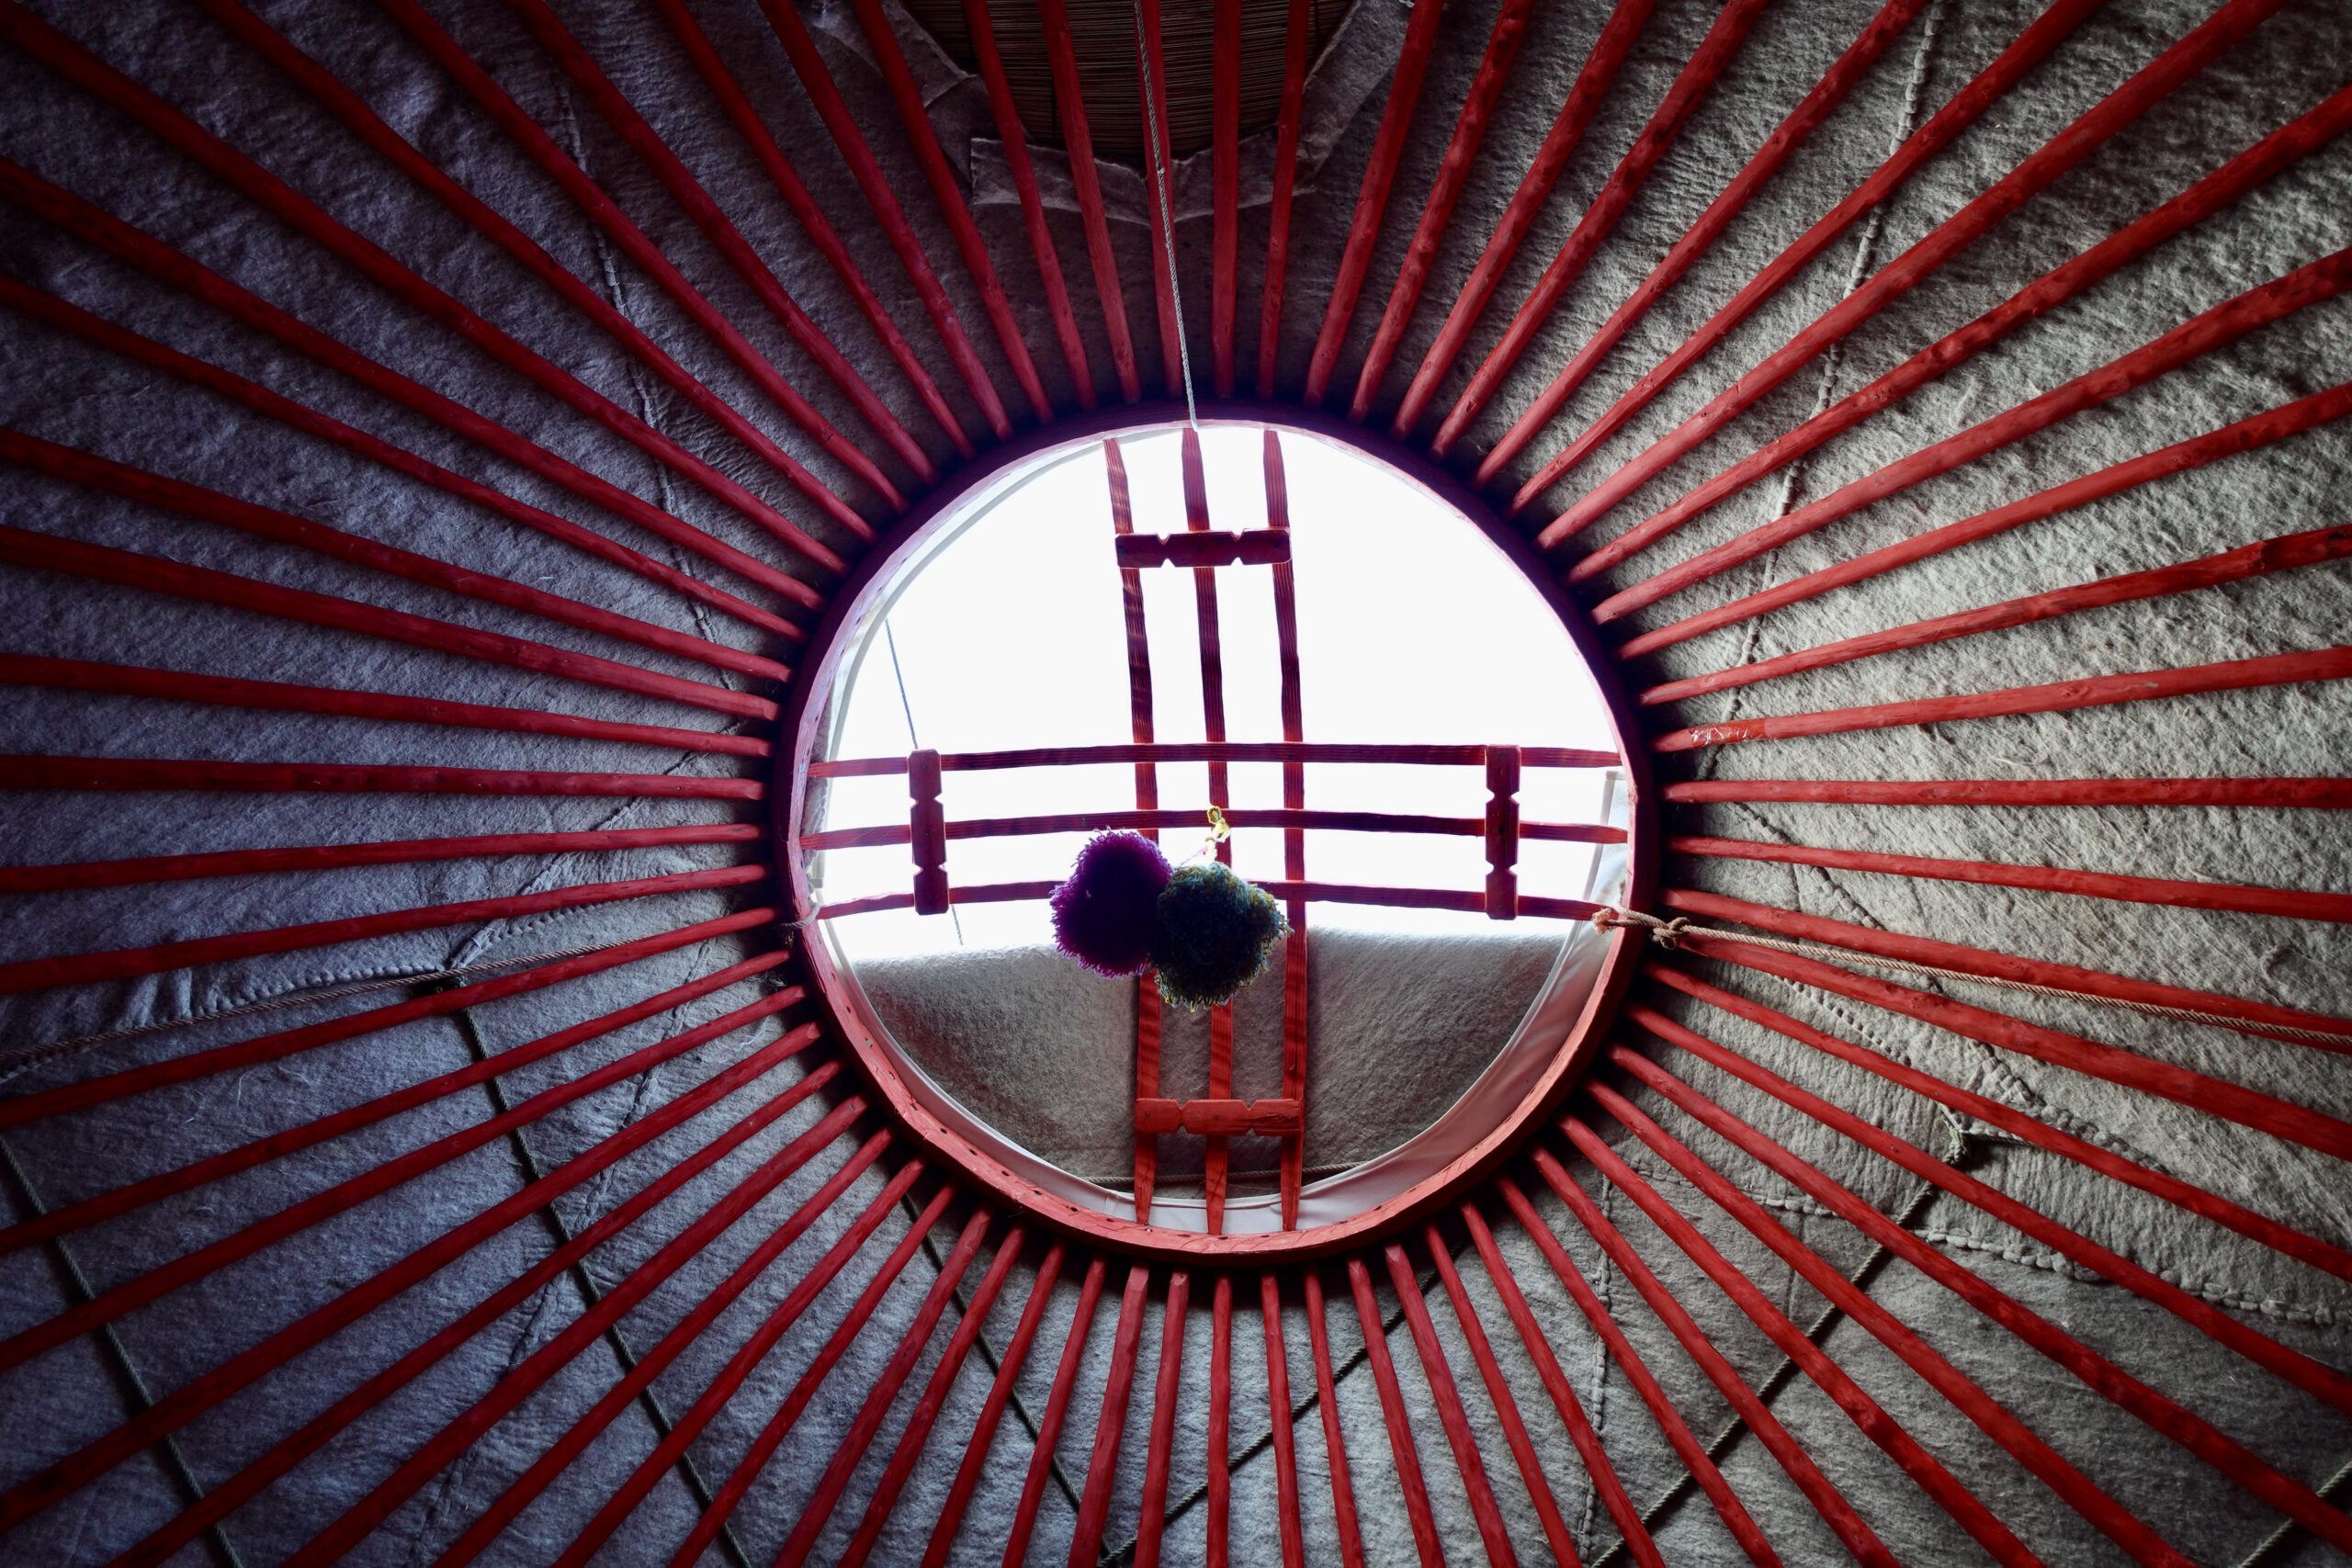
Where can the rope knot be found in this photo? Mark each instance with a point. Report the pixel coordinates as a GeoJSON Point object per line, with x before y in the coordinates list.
{"type": "Point", "coordinates": [1665, 934]}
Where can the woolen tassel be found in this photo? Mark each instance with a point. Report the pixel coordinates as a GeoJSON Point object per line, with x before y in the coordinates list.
{"type": "Point", "coordinates": [1216, 934]}
{"type": "Point", "coordinates": [1106, 916]}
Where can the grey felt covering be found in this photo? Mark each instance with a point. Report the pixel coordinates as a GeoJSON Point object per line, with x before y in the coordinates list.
{"type": "Point", "coordinates": [58, 388]}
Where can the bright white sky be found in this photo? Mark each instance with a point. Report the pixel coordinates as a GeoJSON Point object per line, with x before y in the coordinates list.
{"type": "Point", "coordinates": [1412, 628]}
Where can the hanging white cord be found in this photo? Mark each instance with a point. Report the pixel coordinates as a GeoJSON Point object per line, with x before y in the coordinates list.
{"type": "Point", "coordinates": [1167, 216]}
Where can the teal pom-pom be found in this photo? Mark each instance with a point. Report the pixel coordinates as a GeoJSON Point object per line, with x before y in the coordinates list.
{"type": "Point", "coordinates": [1216, 934]}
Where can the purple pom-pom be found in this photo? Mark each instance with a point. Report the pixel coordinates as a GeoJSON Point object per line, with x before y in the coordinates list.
{"type": "Point", "coordinates": [1107, 913]}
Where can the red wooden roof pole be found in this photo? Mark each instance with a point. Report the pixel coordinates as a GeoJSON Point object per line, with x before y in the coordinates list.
{"type": "Point", "coordinates": [754, 1349]}
{"type": "Point", "coordinates": [418, 1470]}
{"type": "Point", "coordinates": [128, 1081]}
{"type": "Point", "coordinates": [1437, 212]}
{"type": "Point", "coordinates": [2063, 151]}
{"type": "Point", "coordinates": [53, 48]}
{"type": "Point", "coordinates": [1226, 171]}
{"type": "Point", "coordinates": [123, 964]}
{"type": "Point", "coordinates": [1860, 1541]}
{"type": "Point", "coordinates": [209, 1389]}
{"type": "Point", "coordinates": [1603, 1475]}
{"type": "Point", "coordinates": [1160, 195]}
{"type": "Point", "coordinates": [1049, 1429]}
{"type": "Point", "coordinates": [1204, 604]}
{"type": "Point", "coordinates": [2076, 1490]}
{"type": "Point", "coordinates": [1094, 1504]}
{"type": "Point", "coordinates": [2258, 560]}
{"type": "Point", "coordinates": [155, 574]}
{"type": "Point", "coordinates": [1294, 949]}
{"type": "Point", "coordinates": [913, 1339]}
{"type": "Point", "coordinates": [255, 1477]}
{"type": "Point", "coordinates": [43, 772]}
{"type": "Point", "coordinates": [811, 218]}
{"type": "Point", "coordinates": [950, 198]}
{"type": "Point", "coordinates": [2059, 696]}
{"type": "Point", "coordinates": [787, 1414]}
{"type": "Point", "coordinates": [1786, 138]}
{"type": "Point", "coordinates": [57, 312]}
{"type": "Point", "coordinates": [2321, 1381]}
{"type": "Point", "coordinates": [1069, 107]}
{"type": "Point", "coordinates": [2253, 1016]}
{"type": "Point", "coordinates": [1219, 1483]}
{"type": "Point", "coordinates": [1409, 1485]}
{"type": "Point", "coordinates": [987, 1424]}
{"type": "Point", "coordinates": [1334, 1448]}
{"type": "Point", "coordinates": [1015, 139]}
{"type": "Point", "coordinates": [1490, 1373]}
{"type": "Point", "coordinates": [2253, 167]}
{"type": "Point", "coordinates": [1151, 1503]}
{"type": "Point", "coordinates": [364, 122]}
{"type": "Point", "coordinates": [1699, 75]}
{"type": "Point", "coordinates": [1371, 197]}
{"type": "Point", "coordinates": [2215, 1097]}
{"type": "Point", "coordinates": [1488, 1517]}
{"type": "Point", "coordinates": [707, 215]}
{"type": "Point", "coordinates": [2258, 430]}
{"type": "Point", "coordinates": [492, 1522]}
{"type": "Point", "coordinates": [942, 1381]}
{"type": "Point", "coordinates": [88, 222]}
{"type": "Point", "coordinates": [2282, 1239]}
{"type": "Point", "coordinates": [1139, 717]}
{"type": "Point", "coordinates": [146, 489]}
{"type": "Point", "coordinates": [1584, 96]}
{"type": "Point", "coordinates": [2333, 908]}
{"type": "Point", "coordinates": [2333, 794]}
{"type": "Point", "coordinates": [2209, 330]}
{"type": "Point", "coordinates": [1278, 1406]}
{"type": "Point", "coordinates": [2027, 50]}
{"type": "Point", "coordinates": [82, 675]}
{"type": "Point", "coordinates": [826, 98]}
{"type": "Point", "coordinates": [1231, 751]}
{"type": "Point", "coordinates": [118, 1201]}
{"type": "Point", "coordinates": [1270, 305]}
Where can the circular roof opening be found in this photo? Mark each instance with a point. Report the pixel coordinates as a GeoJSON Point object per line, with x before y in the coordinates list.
{"type": "Point", "coordinates": [1118, 633]}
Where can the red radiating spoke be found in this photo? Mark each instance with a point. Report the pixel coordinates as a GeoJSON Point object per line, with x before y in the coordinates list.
{"type": "Point", "coordinates": [2060, 697]}
{"type": "Point", "coordinates": [1437, 211]}
{"type": "Point", "coordinates": [1286, 1439]}
{"type": "Point", "coordinates": [1372, 200]}
{"type": "Point", "coordinates": [754, 1349]}
{"type": "Point", "coordinates": [84, 221]}
{"type": "Point", "coordinates": [1335, 1449]}
{"type": "Point", "coordinates": [2222, 325]}
{"type": "Point", "coordinates": [1152, 1505]}
{"type": "Point", "coordinates": [1786, 138]}
{"type": "Point", "coordinates": [136, 774]}
{"type": "Point", "coordinates": [826, 98]}
{"type": "Point", "coordinates": [364, 122]}
{"type": "Point", "coordinates": [2242, 174]}
{"type": "Point", "coordinates": [2258, 560]}
{"type": "Point", "coordinates": [1858, 1538]}
{"type": "Point", "coordinates": [1015, 138]}
{"type": "Point", "coordinates": [1488, 1517]}
{"type": "Point", "coordinates": [813, 223]}
{"type": "Point", "coordinates": [1707, 63]}
{"type": "Point", "coordinates": [1070, 111]}
{"type": "Point", "coordinates": [1218, 1487]}
{"type": "Point", "coordinates": [1049, 1430]}
{"type": "Point", "coordinates": [2151, 84]}
{"type": "Point", "coordinates": [780, 1424]}
{"type": "Point", "coordinates": [85, 69]}
{"type": "Point", "coordinates": [2327, 794]}
{"type": "Point", "coordinates": [1584, 100]}
{"type": "Point", "coordinates": [950, 199]}
{"type": "Point", "coordinates": [1225, 93]}
{"type": "Point", "coordinates": [200, 1394]}
{"type": "Point", "coordinates": [1159, 199]}
{"type": "Point", "coordinates": [1109, 1428]}
{"type": "Point", "coordinates": [1270, 308]}
{"type": "Point", "coordinates": [1410, 1484]}
{"type": "Point", "coordinates": [2110, 1517]}
{"type": "Point", "coordinates": [912, 1340]}
{"type": "Point", "coordinates": [291, 1451]}
{"type": "Point", "coordinates": [984, 1428]}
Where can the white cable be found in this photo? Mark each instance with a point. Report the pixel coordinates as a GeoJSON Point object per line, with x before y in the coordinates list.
{"type": "Point", "coordinates": [1167, 217]}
